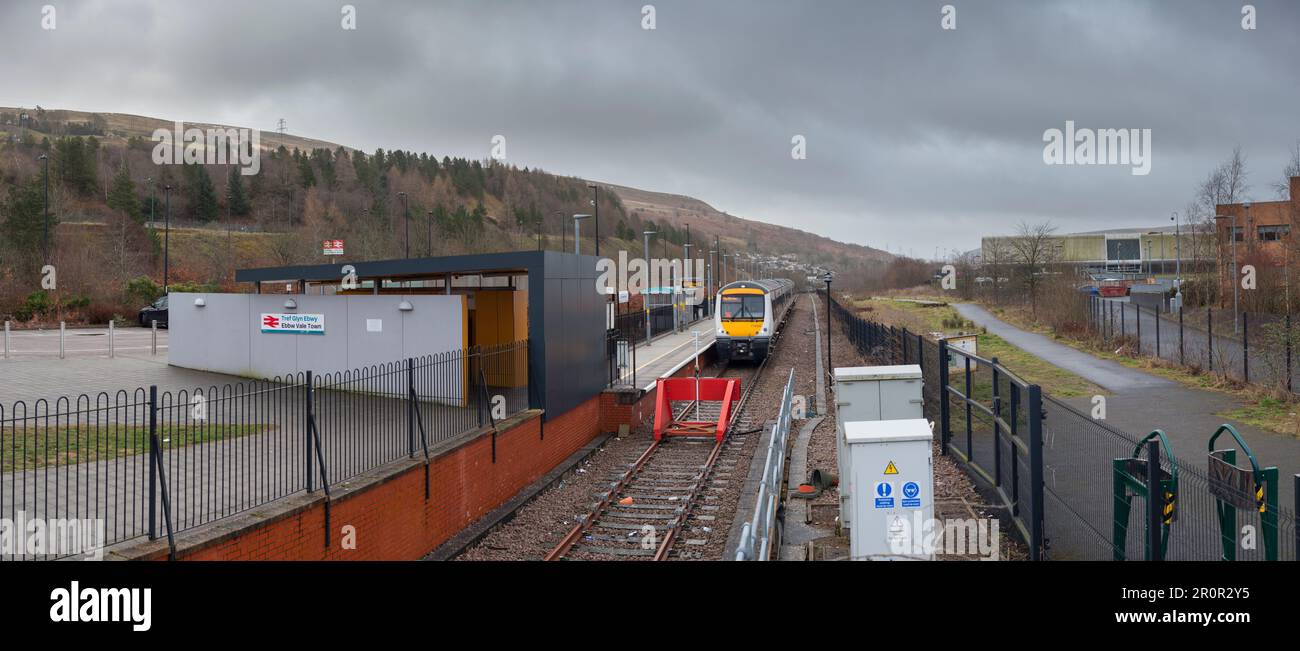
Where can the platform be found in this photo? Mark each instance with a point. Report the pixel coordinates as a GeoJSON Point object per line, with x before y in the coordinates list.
{"type": "Point", "coordinates": [668, 353]}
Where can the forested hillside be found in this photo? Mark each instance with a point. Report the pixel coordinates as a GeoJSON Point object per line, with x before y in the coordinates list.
{"type": "Point", "coordinates": [108, 199]}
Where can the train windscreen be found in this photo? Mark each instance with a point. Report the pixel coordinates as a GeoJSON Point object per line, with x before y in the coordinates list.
{"type": "Point", "coordinates": [742, 307]}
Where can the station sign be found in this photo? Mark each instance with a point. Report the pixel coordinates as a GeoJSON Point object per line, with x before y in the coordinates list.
{"type": "Point", "coordinates": [332, 247]}
{"type": "Point", "coordinates": [293, 324]}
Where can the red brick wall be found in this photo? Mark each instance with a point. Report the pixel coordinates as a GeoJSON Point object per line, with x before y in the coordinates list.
{"type": "Point", "coordinates": [393, 520]}
{"type": "Point", "coordinates": [613, 414]}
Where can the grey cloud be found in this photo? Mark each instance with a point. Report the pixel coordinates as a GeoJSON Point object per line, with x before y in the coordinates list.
{"type": "Point", "coordinates": [916, 137]}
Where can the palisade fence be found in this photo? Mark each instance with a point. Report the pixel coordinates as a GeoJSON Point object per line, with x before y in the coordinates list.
{"type": "Point", "coordinates": [1252, 348]}
{"type": "Point", "coordinates": [1054, 474]}
{"type": "Point", "coordinates": [144, 462]}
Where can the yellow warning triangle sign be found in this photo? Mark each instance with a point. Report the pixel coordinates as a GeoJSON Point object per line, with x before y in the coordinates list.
{"type": "Point", "coordinates": [891, 469]}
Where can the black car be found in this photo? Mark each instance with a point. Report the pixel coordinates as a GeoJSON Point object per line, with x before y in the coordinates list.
{"type": "Point", "coordinates": [157, 311]}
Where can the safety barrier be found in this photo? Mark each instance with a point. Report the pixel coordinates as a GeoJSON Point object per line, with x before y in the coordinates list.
{"type": "Point", "coordinates": [757, 534]}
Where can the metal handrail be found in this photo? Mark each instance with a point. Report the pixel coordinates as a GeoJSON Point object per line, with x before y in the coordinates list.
{"type": "Point", "coordinates": [758, 532]}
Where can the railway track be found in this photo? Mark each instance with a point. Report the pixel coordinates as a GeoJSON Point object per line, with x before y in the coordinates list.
{"type": "Point", "coordinates": [662, 505]}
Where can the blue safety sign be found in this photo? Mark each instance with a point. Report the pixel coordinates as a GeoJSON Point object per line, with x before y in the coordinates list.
{"type": "Point", "coordinates": [884, 495]}
{"type": "Point", "coordinates": [911, 491]}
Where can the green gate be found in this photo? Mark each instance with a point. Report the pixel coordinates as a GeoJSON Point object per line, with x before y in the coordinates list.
{"type": "Point", "coordinates": [1130, 475]}
{"type": "Point", "coordinates": [1235, 487]}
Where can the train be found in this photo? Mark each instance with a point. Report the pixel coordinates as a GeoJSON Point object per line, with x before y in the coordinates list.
{"type": "Point", "coordinates": [746, 317]}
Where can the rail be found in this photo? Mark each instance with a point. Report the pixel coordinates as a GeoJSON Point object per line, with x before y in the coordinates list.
{"type": "Point", "coordinates": [756, 536]}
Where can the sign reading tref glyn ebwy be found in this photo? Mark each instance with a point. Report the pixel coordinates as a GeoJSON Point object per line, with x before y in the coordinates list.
{"type": "Point", "coordinates": [332, 247]}
{"type": "Point", "coordinates": [293, 324]}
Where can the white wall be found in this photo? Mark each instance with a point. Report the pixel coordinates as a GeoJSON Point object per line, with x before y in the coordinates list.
{"type": "Point", "coordinates": [224, 336]}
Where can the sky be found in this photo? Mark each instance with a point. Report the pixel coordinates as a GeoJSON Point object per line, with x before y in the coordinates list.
{"type": "Point", "coordinates": [916, 138]}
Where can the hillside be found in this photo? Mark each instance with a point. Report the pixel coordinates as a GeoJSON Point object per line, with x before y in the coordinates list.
{"type": "Point", "coordinates": [111, 198]}
{"type": "Point", "coordinates": [745, 234]}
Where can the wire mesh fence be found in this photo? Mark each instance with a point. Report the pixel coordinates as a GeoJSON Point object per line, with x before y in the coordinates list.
{"type": "Point", "coordinates": [97, 471]}
{"type": "Point", "coordinates": [1086, 511]}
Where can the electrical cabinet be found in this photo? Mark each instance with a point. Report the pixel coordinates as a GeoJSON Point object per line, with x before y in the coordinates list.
{"type": "Point", "coordinates": [865, 393]}
{"type": "Point", "coordinates": [893, 507]}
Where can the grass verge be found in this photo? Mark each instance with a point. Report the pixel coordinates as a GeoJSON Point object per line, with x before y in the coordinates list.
{"type": "Point", "coordinates": [36, 447]}
{"type": "Point", "coordinates": [917, 317]}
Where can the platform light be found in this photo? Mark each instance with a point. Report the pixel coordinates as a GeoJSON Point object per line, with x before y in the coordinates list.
{"type": "Point", "coordinates": [198, 302]}
{"type": "Point", "coordinates": [291, 304]}
{"type": "Point", "coordinates": [405, 306]}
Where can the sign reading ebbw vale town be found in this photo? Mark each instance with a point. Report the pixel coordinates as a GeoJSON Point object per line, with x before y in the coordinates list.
{"type": "Point", "coordinates": [294, 324]}
{"type": "Point", "coordinates": [332, 247]}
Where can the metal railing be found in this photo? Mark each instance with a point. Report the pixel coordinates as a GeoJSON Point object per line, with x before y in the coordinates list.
{"type": "Point", "coordinates": [1054, 472]}
{"type": "Point", "coordinates": [757, 534]}
{"type": "Point", "coordinates": [143, 462]}
{"type": "Point", "coordinates": [620, 359]}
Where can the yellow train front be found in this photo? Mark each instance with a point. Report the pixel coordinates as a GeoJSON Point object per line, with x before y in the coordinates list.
{"type": "Point", "coordinates": [747, 315]}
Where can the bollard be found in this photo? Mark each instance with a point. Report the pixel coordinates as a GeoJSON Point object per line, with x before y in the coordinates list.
{"type": "Point", "coordinates": [63, 332]}
{"type": "Point", "coordinates": [111, 347]}
{"type": "Point", "coordinates": [153, 324]}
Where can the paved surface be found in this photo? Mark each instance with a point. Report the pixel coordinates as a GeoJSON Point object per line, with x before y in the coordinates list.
{"type": "Point", "coordinates": [84, 342]}
{"type": "Point", "coordinates": [1140, 403]}
{"type": "Point", "coordinates": [31, 379]}
{"type": "Point", "coordinates": [1110, 375]}
{"type": "Point", "coordinates": [667, 352]}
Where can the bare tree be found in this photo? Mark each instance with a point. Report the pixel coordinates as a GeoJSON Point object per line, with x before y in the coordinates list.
{"type": "Point", "coordinates": [1225, 184]}
{"type": "Point", "coordinates": [1283, 186]}
{"type": "Point", "coordinates": [995, 256]}
{"type": "Point", "coordinates": [1033, 249]}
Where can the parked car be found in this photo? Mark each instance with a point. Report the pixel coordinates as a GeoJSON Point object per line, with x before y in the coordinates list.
{"type": "Point", "coordinates": [156, 311]}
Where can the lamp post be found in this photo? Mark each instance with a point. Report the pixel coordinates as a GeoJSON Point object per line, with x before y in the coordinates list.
{"type": "Point", "coordinates": [167, 239]}
{"type": "Point", "coordinates": [645, 294]}
{"type": "Point", "coordinates": [564, 233]}
{"type": "Point", "coordinates": [406, 221]}
{"type": "Point", "coordinates": [577, 234]}
{"type": "Point", "coordinates": [830, 368]}
{"type": "Point", "coordinates": [1178, 254]}
{"type": "Point", "coordinates": [430, 233]}
{"type": "Point", "coordinates": [1236, 274]}
{"type": "Point", "coordinates": [595, 203]}
{"type": "Point", "coordinates": [46, 237]}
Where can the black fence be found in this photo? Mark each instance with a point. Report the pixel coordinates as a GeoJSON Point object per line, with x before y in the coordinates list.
{"type": "Point", "coordinates": [620, 359]}
{"type": "Point", "coordinates": [631, 324]}
{"type": "Point", "coordinates": [1056, 474]}
{"type": "Point", "coordinates": [151, 463]}
{"type": "Point", "coordinates": [1252, 348]}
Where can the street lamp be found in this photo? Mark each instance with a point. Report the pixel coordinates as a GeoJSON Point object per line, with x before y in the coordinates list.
{"type": "Point", "coordinates": [1178, 266]}
{"type": "Point", "coordinates": [577, 234]}
{"type": "Point", "coordinates": [830, 368]}
{"type": "Point", "coordinates": [406, 219]}
{"type": "Point", "coordinates": [645, 294]}
{"type": "Point", "coordinates": [595, 202]}
{"type": "Point", "coordinates": [46, 236]}
{"type": "Point", "coordinates": [430, 233]}
{"type": "Point", "coordinates": [167, 239]}
{"type": "Point", "coordinates": [564, 233]}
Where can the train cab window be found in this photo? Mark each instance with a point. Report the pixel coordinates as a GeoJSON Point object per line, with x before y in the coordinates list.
{"type": "Point", "coordinates": [742, 307]}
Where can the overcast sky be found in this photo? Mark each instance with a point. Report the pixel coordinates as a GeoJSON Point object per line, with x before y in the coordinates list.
{"type": "Point", "coordinates": [917, 137]}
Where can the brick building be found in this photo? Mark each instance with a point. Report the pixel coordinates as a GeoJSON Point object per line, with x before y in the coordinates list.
{"type": "Point", "coordinates": [1262, 231]}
